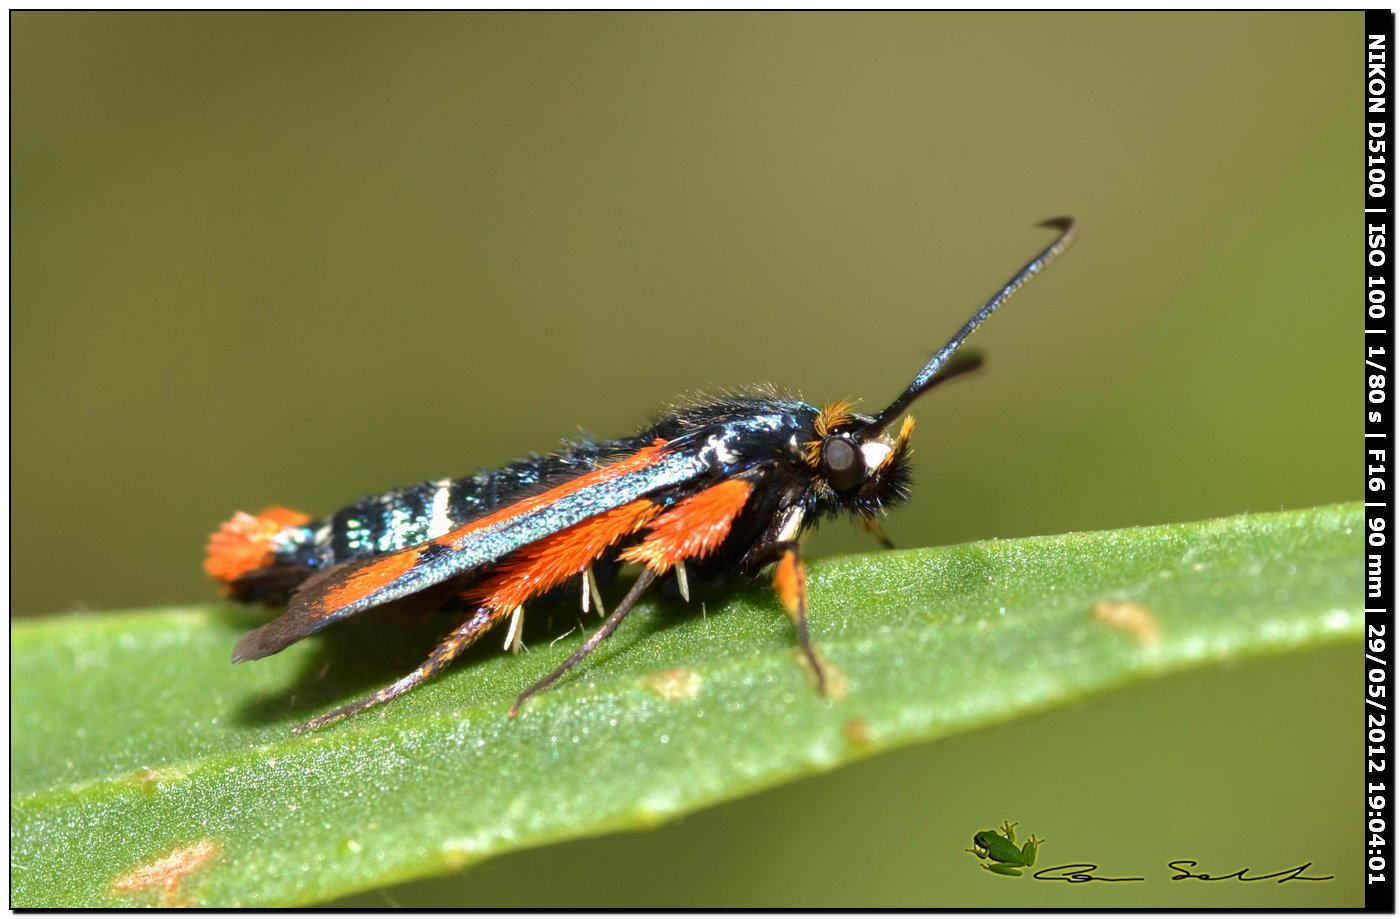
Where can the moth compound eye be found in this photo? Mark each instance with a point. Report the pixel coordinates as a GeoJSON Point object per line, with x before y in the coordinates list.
{"type": "Point", "coordinates": [842, 463]}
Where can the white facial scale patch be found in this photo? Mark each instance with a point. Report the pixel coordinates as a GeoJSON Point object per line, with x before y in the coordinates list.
{"type": "Point", "coordinates": [875, 453]}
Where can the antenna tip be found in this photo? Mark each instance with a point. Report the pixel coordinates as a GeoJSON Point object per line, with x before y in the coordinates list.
{"type": "Point", "coordinates": [1058, 223]}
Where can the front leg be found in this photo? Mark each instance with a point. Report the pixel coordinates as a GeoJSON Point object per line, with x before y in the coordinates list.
{"type": "Point", "coordinates": [790, 580]}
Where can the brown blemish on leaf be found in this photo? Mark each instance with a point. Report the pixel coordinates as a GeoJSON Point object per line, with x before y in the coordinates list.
{"type": "Point", "coordinates": [167, 873]}
{"type": "Point", "coordinates": [857, 732]}
{"type": "Point", "coordinates": [149, 780]}
{"type": "Point", "coordinates": [675, 685]}
{"type": "Point", "coordinates": [1131, 617]}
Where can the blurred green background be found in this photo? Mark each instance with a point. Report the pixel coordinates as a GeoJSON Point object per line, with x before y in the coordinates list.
{"type": "Point", "coordinates": [297, 258]}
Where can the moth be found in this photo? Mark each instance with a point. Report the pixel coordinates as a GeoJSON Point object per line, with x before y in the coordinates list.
{"type": "Point", "coordinates": [706, 492]}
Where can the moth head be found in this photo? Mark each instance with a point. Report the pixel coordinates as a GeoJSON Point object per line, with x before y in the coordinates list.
{"type": "Point", "coordinates": [857, 465]}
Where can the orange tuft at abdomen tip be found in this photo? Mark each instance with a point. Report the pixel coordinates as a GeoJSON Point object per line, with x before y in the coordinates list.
{"type": "Point", "coordinates": [245, 543]}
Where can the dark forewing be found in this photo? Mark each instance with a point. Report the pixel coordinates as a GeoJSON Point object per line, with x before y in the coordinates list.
{"type": "Point", "coordinates": [356, 586]}
{"type": "Point", "coordinates": [415, 514]}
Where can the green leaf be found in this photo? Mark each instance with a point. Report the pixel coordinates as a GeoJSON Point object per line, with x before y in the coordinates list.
{"type": "Point", "coordinates": [147, 770]}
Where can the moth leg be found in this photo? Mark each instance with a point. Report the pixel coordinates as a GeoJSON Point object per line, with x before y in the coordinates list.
{"type": "Point", "coordinates": [517, 626]}
{"type": "Point", "coordinates": [872, 526]}
{"type": "Point", "coordinates": [682, 582]}
{"type": "Point", "coordinates": [457, 641]}
{"type": "Point", "coordinates": [790, 580]}
{"type": "Point", "coordinates": [607, 628]}
{"type": "Point", "coordinates": [591, 594]}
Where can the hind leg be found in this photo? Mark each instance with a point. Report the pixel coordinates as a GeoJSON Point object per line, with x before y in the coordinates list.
{"type": "Point", "coordinates": [457, 641]}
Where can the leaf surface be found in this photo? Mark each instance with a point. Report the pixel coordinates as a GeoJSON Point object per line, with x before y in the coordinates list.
{"type": "Point", "coordinates": [145, 769]}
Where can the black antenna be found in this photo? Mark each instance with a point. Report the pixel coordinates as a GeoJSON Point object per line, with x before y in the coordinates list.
{"type": "Point", "coordinates": [928, 377]}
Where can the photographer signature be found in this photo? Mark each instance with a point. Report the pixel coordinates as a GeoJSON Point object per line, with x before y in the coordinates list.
{"type": "Point", "coordinates": [999, 854]}
{"type": "Point", "coordinates": [1082, 873]}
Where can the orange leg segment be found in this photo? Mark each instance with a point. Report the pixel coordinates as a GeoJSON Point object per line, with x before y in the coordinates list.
{"type": "Point", "coordinates": [790, 580]}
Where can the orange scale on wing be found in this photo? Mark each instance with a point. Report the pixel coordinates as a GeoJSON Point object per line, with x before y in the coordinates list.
{"type": "Point", "coordinates": [693, 528]}
{"type": "Point", "coordinates": [647, 456]}
{"type": "Point", "coordinates": [546, 563]}
{"type": "Point", "coordinates": [369, 579]}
